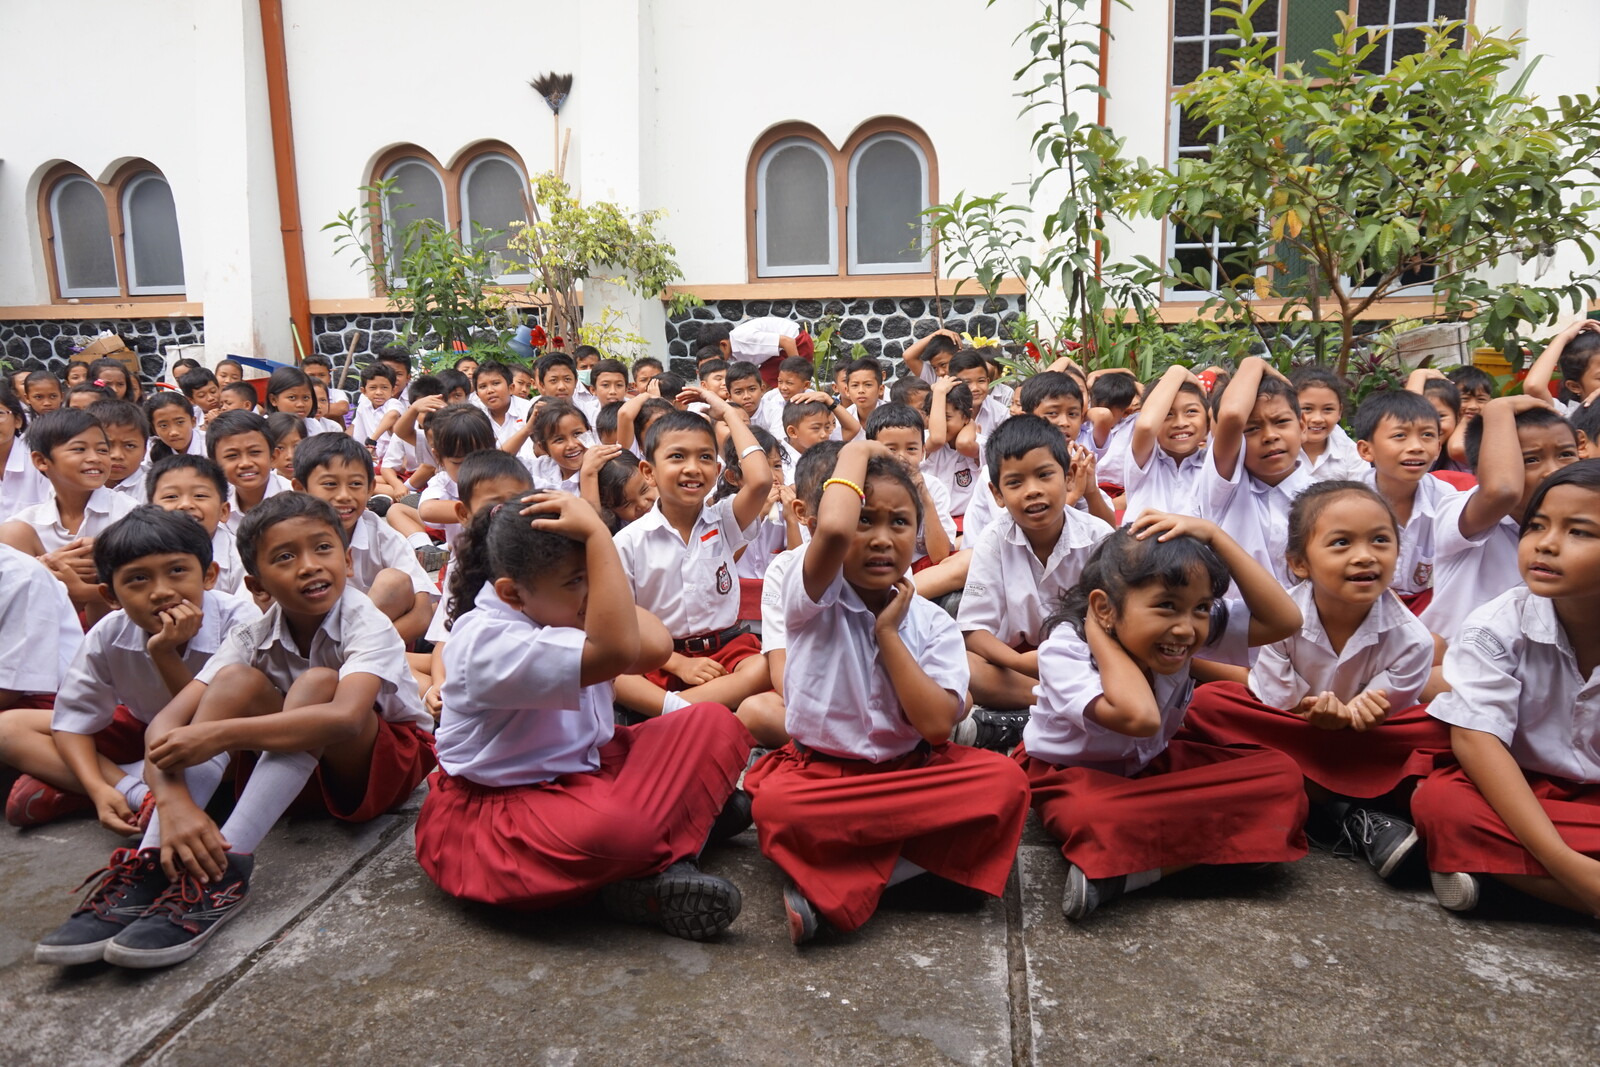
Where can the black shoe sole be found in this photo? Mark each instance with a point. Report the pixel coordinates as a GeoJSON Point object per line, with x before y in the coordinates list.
{"type": "Point", "coordinates": [692, 904]}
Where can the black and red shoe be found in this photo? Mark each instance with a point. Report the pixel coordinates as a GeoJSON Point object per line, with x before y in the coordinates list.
{"type": "Point", "coordinates": [125, 888]}
{"type": "Point", "coordinates": [183, 918]}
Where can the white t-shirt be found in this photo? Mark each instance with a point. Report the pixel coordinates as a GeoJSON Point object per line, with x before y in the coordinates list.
{"type": "Point", "coordinates": [691, 587]}
{"type": "Point", "coordinates": [113, 666]}
{"type": "Point", "coordinates": [39, 631]}
{"type": "Point", "coordinates": [1513, 674]}
{"type": "Point", "coordinates": [1009, 593]}
{"type": "Point", "coordinates": [514, 709]}
{"type": "Point", "coordinates": [1468, 572]}
{"type": "Point", "coordinates": [1413, 570]}
{"type": "Point", "coordinates": [105, 506]}
{"type": "Point", "coordinates": [838, 697]}
{"type": "Point", "coordinates": [1391, 650]}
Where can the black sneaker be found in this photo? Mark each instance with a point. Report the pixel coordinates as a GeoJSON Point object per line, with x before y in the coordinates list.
{"type": "Point", "coordinates": [378, 504]}
{"type": "Point", "coordinates": [683, 900]}
{"type": "Point", "coordinates": [990, 728]}
{"type": "Point", "coordinates": [128, 884]}
{"type": "Point", "coordinates": [1084, 894]}
{"type": "Point", "coordinates": [804, 922]}
{"type": "Point", "coordinates": [1384, 840]}
{"type": "Point", "coordinates": [183, 918]}
{"type": "Point", "coordinates": [733, 820]}
{"type": "Point", "coordinates": [432, 558]}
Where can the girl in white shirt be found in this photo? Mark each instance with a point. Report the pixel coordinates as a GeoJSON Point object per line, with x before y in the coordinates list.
{"type": "Point", "coordinates": [172, 420]}
{"type": "Point", "coordinates": [1168, 446]}
{"type": "Point", "coordinates": [539, 800]}
{"type": "Point", "coordinates": [1131, 797]}
{"type": "Point", "coordinates": [869, 792]}
{"type": "Point", "coordinates": [1341, 697]}
{"type": "Point", "coordinates": [1522, 802]}
{"type": "Point", "coordinates": [1327, 450]}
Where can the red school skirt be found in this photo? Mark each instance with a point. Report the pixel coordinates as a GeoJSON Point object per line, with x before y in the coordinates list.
{"type": "Point", "coordinates": [1347, 762]}
{"type": "Point", "coordinates": [659, 788]}
{"type": "Point", "coordinates": [1195, 803]}
{"type": "Point", "coordinates": [837, 827]}
{"type": "Point", "coordinates": [402, 756]}
{"type": "Point", "coordinates": [1464, 833]}
{"type": "Point", "coordinates": [729, 655]}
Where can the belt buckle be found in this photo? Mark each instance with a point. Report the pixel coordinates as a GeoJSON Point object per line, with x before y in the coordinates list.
{"type": "Point", "coordinates": [697, 645]}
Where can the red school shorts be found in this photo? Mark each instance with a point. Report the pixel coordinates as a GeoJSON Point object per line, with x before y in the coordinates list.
{"type": "Point", "coordinates": [402, 756]}
{"type": "Point", "coordinates": [120, 742]}
{"type": "Point", "coordinates": [729, 655]}
{"type": "Point", "coordinates": [1464, 833]}
{"type": "Point", "coordinates": [1362, 764]}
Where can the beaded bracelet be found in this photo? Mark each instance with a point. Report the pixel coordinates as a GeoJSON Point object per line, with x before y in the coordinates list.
{"type": "Point", "coordinates": [860, 492]}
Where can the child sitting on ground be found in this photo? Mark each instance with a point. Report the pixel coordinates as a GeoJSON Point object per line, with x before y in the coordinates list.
{"type": "Point", "coordinates": [39, 636]}
{"type": "Point", "coordinates": [560, 433]}
{"type": "Point", "coordinates": [1399, 434]}
{"type": "Point", "coordinates": [539, 800]}
{"type": "Point", "coordinates": [1113, 407]}
{"type": "Point", "coordinates": [378, 409]}
{"type": "Point", "coordinates": [155, 570]}
{"type": "Point", "coordinates": [870, 792]}
{"type": "Point", "coordinates": [127, 438]}
{"type": "Point", "coordinates": [970, 369]}
{"type": "Point", "coordinates": [953, 455]}
{"type": "Point", "coordinates": [241, 444]}
{"type": "Point", "coordinates": [195, 486]}
{"type": "Point", "coordinates": [794, 378]}
{"type": "Point", "coordinates": [1168, 447]}
{"type": "Point", "coordinates": [201, 388]}
{"type": "Point", "coordinates": [172, 421]}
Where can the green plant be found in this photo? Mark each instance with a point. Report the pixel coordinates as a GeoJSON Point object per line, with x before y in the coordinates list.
{"type": "Point", "coordinates": [1342, 187]}
{"type": "Point", "coordinates": [440, 282]}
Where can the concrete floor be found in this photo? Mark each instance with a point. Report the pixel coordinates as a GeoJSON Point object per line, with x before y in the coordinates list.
{"type": "Point", "coordinates": [347, 954]}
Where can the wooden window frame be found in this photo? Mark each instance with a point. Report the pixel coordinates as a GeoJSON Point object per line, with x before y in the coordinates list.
{"type": "Point", "coordinates": [841, 159]}
{"type": "Point", "coordinates": [113, 193]}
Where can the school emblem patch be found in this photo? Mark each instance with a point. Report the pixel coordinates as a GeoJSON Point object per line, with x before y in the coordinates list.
{"type": "Point", "coordinates": [724, 580]}
{"type": "Point", "coordinates": [964, 477]}
{"type": "Point", "coordinates": [1423, 576]}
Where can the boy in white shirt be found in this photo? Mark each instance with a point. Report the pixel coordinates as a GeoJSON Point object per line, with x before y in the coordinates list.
{"type": "Point", "coordinates": [39, 635]}
{"type": "Point", "coordinates": [241, 444]}
{"type": "Point", "coordinates": [127, 437]}
{"type": "Point", "coordinates": [1024, 563]}
{"type": "Point", "coordinates": [680, 561]}
{"type": "Point", "coordinates": [1576, 352]}
{"type": "Point", "coordinates": [21, 483]}
{"type": "Point", "coordinates": [1168, 446]}
{"type": "Point", "coordinates": [195, 486]}
{"type": "Point", "coordinates": [1398, 433]}
{"type": "Point", "coordinates": [864, 382]}
{"type": "Point", "coordinates": [794, 378]}
{"type": "Point", "coordinates": [1113, 407]}
{"type": "Point", "coordinates": [88, 753]}
{"type": "Point", "coordinates": [970, 369]}
{"type": "Point", "coordinates": [929, 357]}
{"type": "Point", "coordinates": [378, 410]}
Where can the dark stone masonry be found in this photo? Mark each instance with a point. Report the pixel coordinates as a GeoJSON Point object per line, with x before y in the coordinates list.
{"type": "Point", "coordinates": [49, 344]}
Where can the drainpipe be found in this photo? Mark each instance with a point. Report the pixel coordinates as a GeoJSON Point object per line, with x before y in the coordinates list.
{"type": "Point", "coordinates": [294, 250]}
{"type": "Point", "coordinates": [1105, 52]}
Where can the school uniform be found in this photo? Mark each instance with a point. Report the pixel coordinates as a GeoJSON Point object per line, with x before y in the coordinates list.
{"type": "Point", "coordinates": [113, 689]}
{"type": "Point", "coordinates": [587, 403]}
{"type": "Point", "coordinates": [990, 414]}
{"type": "Point", "coordinates": [197, 443]}
{"type": "Point", "coordinates": [39, 630]}
{"type": "Point", "coordinates": [1468, 572]}
{"type": "Point", "coordinates": [1339, 460]}
{"type": "Point", "coordinates": [539, 800]}
{"type": "Point", "coordinates": [314, 425]}
{"type": "Point", "coordinates": [961, 475]}
{"type": "Point", "coordinates": [230, 568]}
{"type": "Point", "coordinates": [774, 627]}
{"type": "Point", "coordinates": [104, 507]}
{"type": "Point", "coordinates": [1250, 511]}
{"type": "Point", "coordinates": [692, 587]}
{"type": "Point", "coordinates": [443, 487]}
{"type": "Point", "coordinates": [789, 457]}
{"type": "Point", "coordinates": [1391, 650]}
{"type": "Point", "coordinates": [22, 484]}
{"type": "Point", "coordinates": [376, 546]}
{"type": "Point", "coordinates": [1161, 483]}
{"type": "Point", "coordinates": [398, 457]}
{"type": "Point", "coordinates": [1413, 570]}
{"type": "Point", "coordinates": [547, 473]}
{"type": "Point", "coordinates": [1112, 458]}
{"type": "Point", "coordinates": [354, 638]}
{"type": "Point", "coordinates": [1123, 805]}
{"type": "Point", "coordinates": [133, 486]}
{"type": "Point", "coordinates": [1009, 592]}
{"type": "Point", "coordinates": [1513, 674]}
{"type": "Point", "coordinates": [769, 413]}
{"type": "Point", "coordinates": [276, 483]}
{"type": "Point", "coordinates": [767, 539]}
{"type": "Point", "coordinates": [981, 513]}
{"type": "Point", "coordinates": [940, 497]}
{"type": "Point", "coordinates": [367, 418]}
{"type": "Point", "coordinates": [858, 788]}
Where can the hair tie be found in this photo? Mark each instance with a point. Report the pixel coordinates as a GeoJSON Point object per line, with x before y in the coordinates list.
{"type": "Point", "coordinates": [496, 509]}
{"type": "Point", "coordinates": [100, 382]}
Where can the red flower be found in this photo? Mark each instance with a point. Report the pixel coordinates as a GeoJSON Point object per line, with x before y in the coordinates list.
{"type": "Point", "coordinates": [558, 344]}
{"type": "Point", "coordinates": [1032, 349]}
{"type": "Point", "coordinates": [536, 337]}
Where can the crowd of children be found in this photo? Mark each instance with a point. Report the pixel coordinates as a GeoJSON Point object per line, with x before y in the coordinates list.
{"type": "Point", "coordinates": [1200, 620]}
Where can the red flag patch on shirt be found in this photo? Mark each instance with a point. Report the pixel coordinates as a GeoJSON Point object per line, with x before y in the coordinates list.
{"type": "Point", "coordinates": [708, 535]}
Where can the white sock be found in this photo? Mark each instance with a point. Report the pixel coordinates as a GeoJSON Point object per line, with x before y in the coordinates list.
{"type": "Point", "coordinates": [1140, 880]}
{"type": "Point", "coordinates": [904, 871]}
{"type": "Point", "coordinates": [419, 540]}
{"type": "Point", "coordinates": [672, 702]}
{"type": "Point", "coordinates": [132, 788]}
{"type": "Point", "coordinates": [276, 780]}
{"type": "Point", "coordinates": [202, 782]}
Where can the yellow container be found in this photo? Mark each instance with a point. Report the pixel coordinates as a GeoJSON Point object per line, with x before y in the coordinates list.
{"type": "Point", "coordinates": [1492, 360]}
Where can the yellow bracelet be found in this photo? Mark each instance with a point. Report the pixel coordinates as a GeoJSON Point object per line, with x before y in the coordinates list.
{"type": "Point", "coordinates": [848, 484]}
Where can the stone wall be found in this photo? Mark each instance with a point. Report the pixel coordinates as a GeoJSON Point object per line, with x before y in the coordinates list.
{"type": "Point", "coordinates": [49, 344]}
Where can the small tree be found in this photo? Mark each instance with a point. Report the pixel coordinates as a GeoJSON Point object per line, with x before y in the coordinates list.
{"type": "Point", "coordinates": [1343, 187]}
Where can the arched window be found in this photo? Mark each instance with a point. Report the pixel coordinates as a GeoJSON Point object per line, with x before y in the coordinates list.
{"type": "Point", "coordinates": [888, 193]}
{"type": "Point", "coordinates": [796, 222]}
{"type": "Point", "coordinates": [86, 262]}
{"type": "Point", "coordinates": [150, 236]}
{"type": "Point", "coordinates": [418, 194]}
{"type": "Point", "coordinates": [494, 196]}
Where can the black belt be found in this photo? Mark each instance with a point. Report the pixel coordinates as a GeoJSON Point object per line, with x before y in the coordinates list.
{"type": "Point", "coordinates": [702, 643]}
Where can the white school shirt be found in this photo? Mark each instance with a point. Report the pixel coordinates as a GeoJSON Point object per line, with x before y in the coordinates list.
{"type": "Point", "coordinates": [1112, 460]}
{"type": "Point", "coordinates": [1413, 570]}
{"type": "Point", "coordinates": [990, 415]}
{"type": "Point", "coordinates": [546, 473]}
{"type": "Point", "coordinates": [375, 546]}
{"type": "Point", "coordinates": [982, 511]}
{"type": "Point", "coordinates": [691, 587]}
{"type": "Point", "coordinates": [769, 413]}
{"type": "Point", "coordinates": [22, 484]}
{"type": "Point", "coordinates": [941, 515]}
{"type": "Point", "coordinates": [774, 629]}
{"type": "Point", "coordinates": [790, 457]}
{"type": "Point", "coordinates": [367, 418]}
{"type": "Point", "coordinates": [1339, 461]}
{"type": "Point", "coordinates": [1391, 650]}
{"type": "Point", "coordinates": [132, 486]}
{"type": "Point", "coordinates": [756, 340]}
{"type": "Point", "coordinates": [838, 697]}
{"type": "Point", "coordinates": [1059, 730]}
{"type": "Point", "coordinates": [105, 506]}
{"type": "Point", "coordinates": [315, 425]}
{"type": "Point", "coordinates": [276, 483]}
{"type": "Point", "coordinates": [520, 406]}
{"type": "Point", "coordinates": [354, 638]}
{"type": "Point", "coordinates": [197, 443]}
{"type": "Point", "coordinates": [39, 630]}
{"type": "Point", "coordinates": [767, 540]}
{"type": "Point", "coordinates": [230, 568]}
{"type": "Point", "coordinates": [1468, 573]}
{"type": "Point", "coordinates": [113, 665]}
{"type": "Point", "coordinates": [1163, 483]}
{"type": "Point", "coordinates": [398, 456]}
{"type": "Point", "coordinates": [1252, 512]}
{"type": "Point", "coordinates": [587, 403]}
{"type": "Point", "coordinates": [443, 487]}
{"type": "Point", "coordinates": [1513, 674]}
{"type": "Point", "coordinates": [1009, 593]}
{"type": "Point", "coordinates": [960, 474]}
{"type": "Point", "coordinates": [514, 709]}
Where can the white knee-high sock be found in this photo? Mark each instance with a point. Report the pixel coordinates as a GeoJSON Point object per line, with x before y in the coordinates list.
{"type": "Point", "coordinates": [202, 781]}
{"type": "Point", "coordinates": [276, 780]}
{"type": "Point", "coordinates": [904, 871]}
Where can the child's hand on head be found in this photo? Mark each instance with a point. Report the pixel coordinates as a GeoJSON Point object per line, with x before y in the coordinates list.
{"type": "Point", "coordinates": [811, 396]}
{"type": "Point", "coordinates": [564, 513]}
{"type": "Point", "coordinates": [179, 624]}
{"type": "Point", "coordinates": [1164, 527]}
{"type": "Point", "coordinates": [596, 457]}
{"type": "Point", "coordinates": [943, 384]}
{"type": "Point", "coordinates": [426, 404]}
